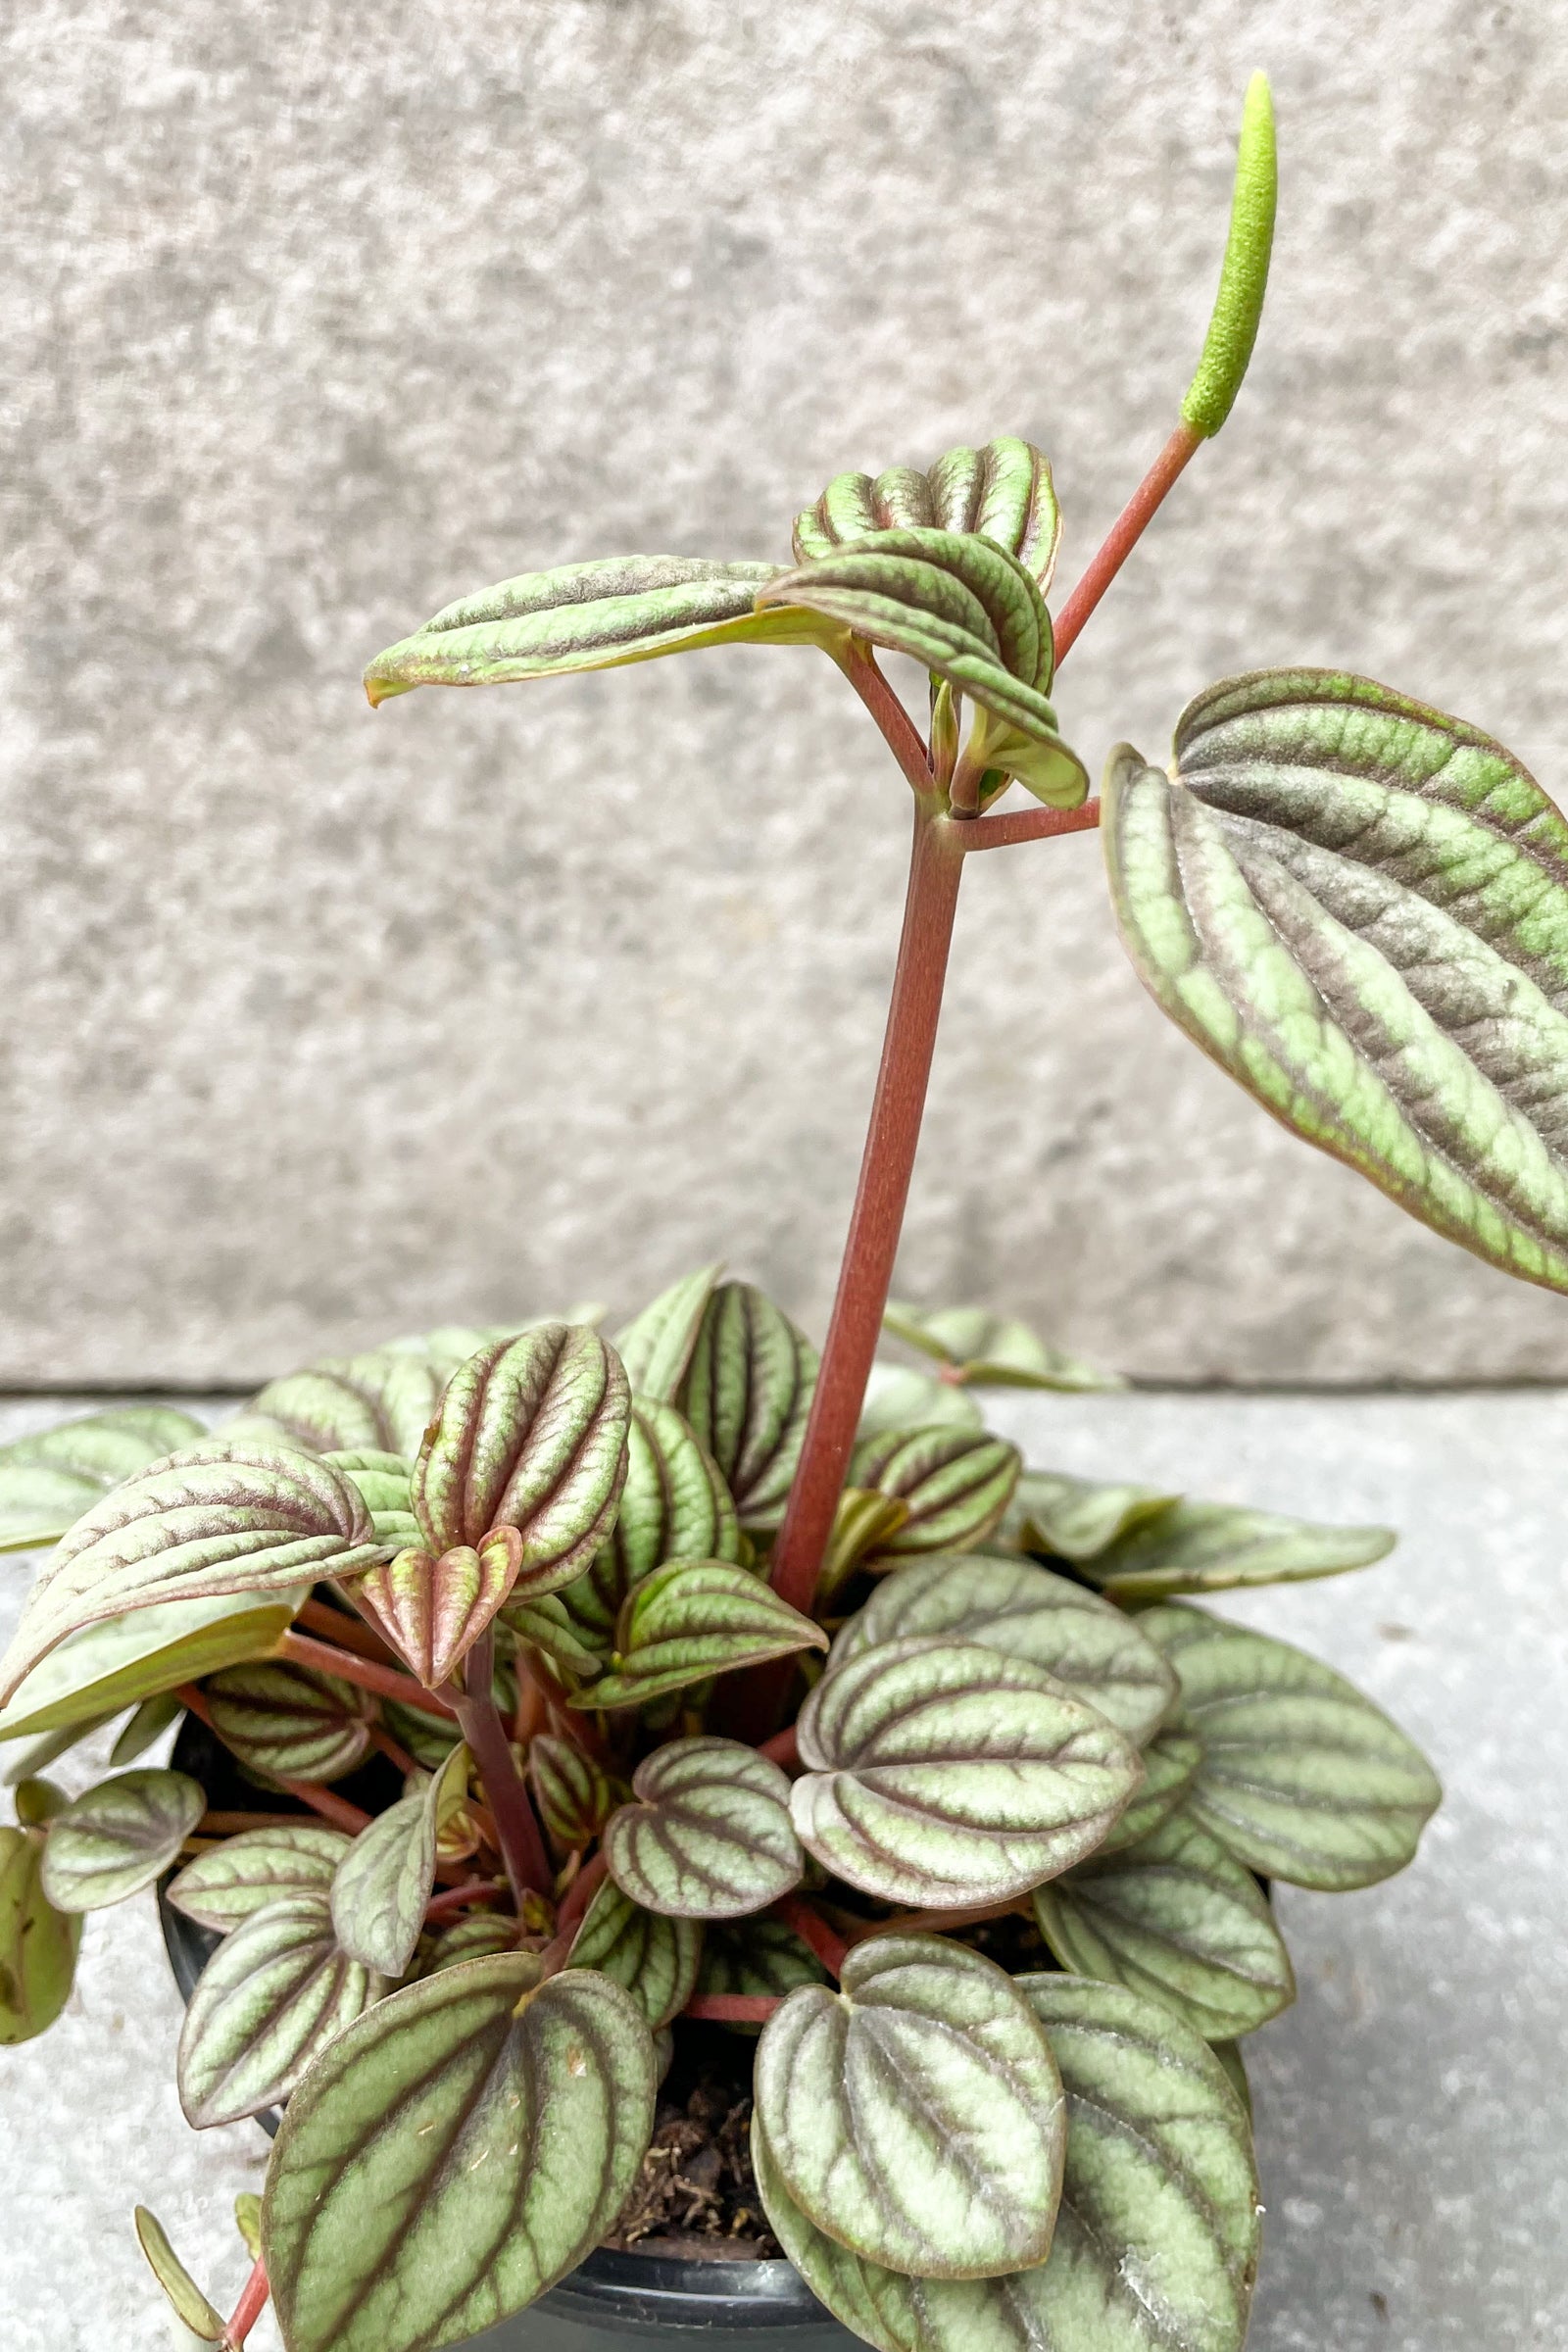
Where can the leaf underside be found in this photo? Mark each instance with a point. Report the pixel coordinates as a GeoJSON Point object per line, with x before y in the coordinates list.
{"type": "Point", "coordinates": [1215, 1547]}
{"type": "Point", "coordinates": [123, 1660]}
{"type": "Point", "coordinates": [37, 1943]}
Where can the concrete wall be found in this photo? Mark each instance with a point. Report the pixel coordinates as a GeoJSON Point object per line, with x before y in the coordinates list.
{"type": "Point", "coordinates": [318, 1024]}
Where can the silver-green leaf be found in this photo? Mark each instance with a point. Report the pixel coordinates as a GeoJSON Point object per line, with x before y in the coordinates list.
{"type": "Point", "coordinates": [275, 1992]}
{"type": "Point", "coordinates": [708, 1836]}
{"type": "Point", "coordinates": [983, 1350]}
{"type": "Point", "coordinates": [383, 1883]}
{"type": "Point", "coordinates": [956, 1484]}
{"type": "Point", "coordinates": [1215, 1547]}
{"type": "Point", "coordinates": [1078, 1518]}
{"type": "Point", "coordinates": [288, 1721]}
{"type": "Point", "coordinates": [652, 1956]}
{"type": "Point", "coordinates": [675, 1505]}
{"type": "Point", "coordinates": [1003, 491]}
{"type": "Point", "coordinates": [116, 1838]}
{"type": "Point", "coordinates": [49, 1479]}
{"type": "Point", "coordinates": [247, 1872]}
{"type": "Point", "coordinates": [656, 1346]}
{"type": "Point", "coordinates": [692, 1619]}
{"type": "Point", "coordinates": [37, 1943]}
{"type": "Point", "coordinates": [747, 1393]}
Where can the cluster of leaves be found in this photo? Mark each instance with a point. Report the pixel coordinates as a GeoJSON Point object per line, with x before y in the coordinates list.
{"type": "Point", "coordinates": [525, 1570]}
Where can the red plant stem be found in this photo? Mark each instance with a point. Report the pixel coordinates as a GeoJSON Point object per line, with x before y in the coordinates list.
{"type": "Point", "coordinates": [348, 1631]}
{"type": "Point", "coordinates": [384, 1681]}
{"type": "Point", "coordinates": [902, 735]}
{"type": "Point", "coordinates": [335, 1809]}
{"type": "Point", "coordinates": [1027, 824]}
{"type": "Point", "coordinates": [936, 864]}
{"type": "Point", "coordinates": [391, 1750]}
{"type": "Point", "coordinates": [783, 1748]}
{"type": "Point", "coordinates": [517, 1833]}
{"type": "Point", "coordinates": [934, 1923]}
{"type": "Point", "coordinates": [733, 2008]}
{"type": "Point", "coordinates": [249, 2308]}
{"type": "Point", "coordinates": [230, 1825]}
{"type": "Point", "coordinates": [453, 1899]}
{"type": "Point", "coordinates": [812, 1929]}
{"type": "Point", "coordinates": [581, 1894]}
{"type": "Point", "coordinates": [1124, 535]}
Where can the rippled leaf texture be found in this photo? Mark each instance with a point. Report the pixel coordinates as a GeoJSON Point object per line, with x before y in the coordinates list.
{"type": "Point", "coordinates": [574, 1795]}
{"type": "Point", "coordinates": [124, 1660]}
{"type": "Point", "coordinates": [49, 1479]}
{"type": "Point", "coordinates": [433, 1610]}
{"type": "Point", "coordinates": [456, 2153]}
{"type": "Point", "coordinates": [531, 1435]}
{"type": "Point", "coordinates": [938, 1772]}
{"type": "Point", "coordinates": [747, 1393]}
{"type": "Point", "coordinates": [1359, 908]}
{"type": "Point", "coordinates": [1157, 2239]}
{"type": "Point", "coordinates": [995, 1352]}
{"type": "Point", "coordinates": [956, 1484]}
{"type": "Point", "coordinates": [586, 616]}
{"type": "Point", "coordinates": [472, 1939]}
{"type": "Point", "coordinates": [1025, 1612]}
{"type": "Point", "coordinates": [383, 1883]}
{"type": "Point", "coordinates": [1170, 1762]}
{"type": "Point", "coordinates": [544, 1624]}
{"type": "Point", "coordinates": [116, 1838]}
{"type": "Point", "coordinates": [967, 612]}
{"type": "Point", "coordinates": [383, 1481]}
{"type": "Point", "coordinates": [290, 1723]}
{"type": "Point", "coordinates": [37, 1943]}
{"type": "Point", "coordinates": [275, 1992]}
{"type": "Point", "coordinates": [1212, 1546]}
{"type": "Point", "coordinates": [213, 1519]}
{"type": "Point", "coordinates": [1301, 1777]}
{"type": "Point", "coordinates": [191, 2306]}
{"type": "Point", "coordinates": [708, 1836]}
{"type": "Point", "coordinates": [1078, 1518]}
{"type": "Point", "coordinates": [1003, 491]}
{"type": "Point", "coordinates": [652, 1956]}
{"type": "Point", "coordinates": [1179, 1919]}
{"type": "Point", "coordinates": [897, 1398]}
{"type": "Point", "coordinates": [916, 2115]}
{"type": "Point", "coordinates": [376, 1404]}
{"type": "Point", "coordinates": [674, 1506]}
{"type": "Point", "coordinates": [691, 1620]}
{"type": "Point", "coordinates": [244, 1874]}
{"type": "Point", "coordinates": [655, 1347]}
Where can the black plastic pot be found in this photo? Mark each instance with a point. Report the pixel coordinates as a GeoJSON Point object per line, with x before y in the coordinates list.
{"type": "Point", "coordinates": [612, 2299]}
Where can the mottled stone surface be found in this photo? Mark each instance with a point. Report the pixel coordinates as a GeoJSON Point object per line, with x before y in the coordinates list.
{"type": "Point", "coordinates": [1409, 2106]}
{"type": "Point", "coordinates": [319, 1025]}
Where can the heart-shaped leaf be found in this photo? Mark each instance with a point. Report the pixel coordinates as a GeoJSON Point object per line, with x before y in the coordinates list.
{"type": "Point", "coordinates": [191, 2306]}
{"type": "Point", "coordinates": [755, 1956]}
{"type": "Point", "coordinates": [897, 1399]}
{"type": "Point", "coordinates": [384, 1482]}
{"type": "Point", "coordinates": [674, 1506]}
{"type": "Point", "coordinates": [434, 1610]}
{"type": "Point", "coordinates": [1211, 1546]}
{"type": "Point", "coordinates": [1157, 2239]}
{"type": "Point", "coordinates": [691, 1620]}
{"type": "Point", "coordinates": [49, 1479]}
{"type": "Point", "coordinates": [544, 1624]}
{"type": "Point", "coordinates": [938, 1772]}
{"type": "Point", "coordinates": [215, 1519]}
{"type": "Point", "coordinates": [708, 1837]}
{"type": "Point", "coordinates": [995, 1352]}
{"type": "Point", "coordinates": [954, 1482]}
{"type": "Point", "coordinates": [1359, 907]}
{"type": "Point", "coordinates": [1078, 1518]}
{"type": "Point", "coordinates": [37, 1943]}
{"type": "Point", "coordinates": [575, 1799]}
{"type": "Point", "coordinates": [453, 2154]}
{"type": "Point", "coordinates": [244, 1874]}
{"type": "Point", "coordinates": [594, 615]}
{"type": "Point", "coordinates": [967, 612]}
{"type": "Point", "coordinates": [747, 1393]}
{"type": "Point", "coordinates": [118, 1663]}
{"type": "Point", "coordinates": [116, 1838]}
{"type": "Point", "coordinates": [1002, 491]}
{"type": "Point", "coordinates": [1301, 1777]}
{"type": "Point", "coordinates": [288, 1721]}
{"type": "Point", "coordinates": [277, 1989]}
{"type": "Point", "coordinates": [1025, 1612]}
{"type": "Point", "coordinates": [383, 1883]}
{"type": "Point", "coordinates": [531, 1435]}
{"type": "Point", "coordinates": [1177, 1918]}
{"type": "Point", "coordinates": [657, 1346]}
{"type": "Point", "coordinates": [652, 1956]}
{"type": "Point", "coordinates": [916, 2115]}
{"type": "Point", "coordinates": [377, 1404]}
{"type": "Point", "coordinates": [1171, 1764]}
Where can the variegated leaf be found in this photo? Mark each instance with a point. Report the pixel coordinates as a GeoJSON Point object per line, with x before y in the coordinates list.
{"type": "Point", "coordinates": [117, 1838]}
{"type": "Point", "coordinates": [574, 1797]}
{"type": "Point", "coordinates": [897, 1398]}
{"type": "Point", "coordinates": [1170, 1762]}
{"type": "Point", "coordinates": [122, 1661]}
{"type": "Point", "coordinates": [473, 1938]}
{"type": "Point", "coordinates": [37, 1943]}
{"type": "Point", "coordinates": [524, 2113]}
{"type": "Point", "coordinates": [277, 1989]}
{"type": "Point", "coordinates": [290, 1723]}
{"type": "Point", "coordinates": [211, 1520]}
{"type": "Point", "coordinates": [1214, 1546]}
{"type": "Point", "coordinates": [433, 1610]}
{"type": "Point", "coordinates": [691, 1620]}
{"type": "Point", "coordinates": [956, 1484]}
{"type": "Point", "coordinates": [652, 1954]}
{"type": "Point", "coordinates": [674, 1506]}
{"type": "Point", "coordinates": [987, 1351]}
{"type": "Point", "coordinates": [196, 2317]}
{"type": "Point", "coordinates": [865, 1522]}
{"type": "Point", "coordinates": [245, 1873]}
{"type": "Point", "coordinates": [383, 1481]}
{"type": "Point", "coordinates": [1179, 1919]}
{"type": "Point", "coordinates": [1359, 907]}
{"type": "Point", "coordinates": [1002, 491]}
{"type": "Point", "coordinates": [532, 1435]}
{"type": "Point", "coordinates": [1077, 1518]}
{"type": "Point", "coordinates": [755, 1956]}
{"type": "Point", "coordinates": [544, 1624]}
{"type": "Point", "coordinates": [49, 1479]}
{"type": "Point", "coordinates": [708, 1836]}
{"type": "Point", "coordinates": [938, 1772]}
{"type": "Point", "coordinates": [375, 1404]}
{"type": "Point", "coordinates": [916, 2115]}
{"type": "Point", "coordinates": [655, 1347]}
{"type": "Point", "coordinates": [1300, 1777]}
{"type": "Point", "coordinates": [1023, 1611]}
{"type": "Point", "coordinates": [747, 1393]}
{"type": "Point", "coordinates": [382, 1884]}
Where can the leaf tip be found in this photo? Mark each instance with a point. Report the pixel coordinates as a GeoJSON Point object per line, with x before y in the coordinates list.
{"type": "Point", "coordinates": [1244, 274]}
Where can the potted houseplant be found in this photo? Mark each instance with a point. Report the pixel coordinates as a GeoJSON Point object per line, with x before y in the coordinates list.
{"type": "Point", "coordinates": [672, 1793]}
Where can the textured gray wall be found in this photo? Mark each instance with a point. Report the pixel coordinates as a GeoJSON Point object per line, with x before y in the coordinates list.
{"type": "Point", "coordinates": [318, 1024]}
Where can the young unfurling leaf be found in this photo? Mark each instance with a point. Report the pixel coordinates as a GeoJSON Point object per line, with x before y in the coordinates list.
{"type": "Point", "coordinates": [747, 1393]}
{"type": "Point", "coordinates": [119, 1837]}
{"type": "Point", "coordinates": [1003, 491]}
{"type": "Point", "coordinates": [245, 1873]}
{"type": "Point", "coordinates": [189, 2305]}
{"type": "Point", "coordinates": [434, 1610]}
{"type": "Point", "coordinates": [37, 1943]}
{"type": "Point", "coordinates": [49, 1479]}
{"type": "Point", "coordinates": [954, 1483]}
{"type": "Point", "coordinates": [691, 1620]}
{"type": "Point", "coordinates": [708, 1836]}
{"type": "Point", "coordinates": [272, 1995]}
{"type": "Point", "coordinates": [654, 1955]}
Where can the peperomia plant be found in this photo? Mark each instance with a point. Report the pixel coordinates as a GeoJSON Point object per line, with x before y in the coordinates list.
{"type": "Point", "coordinates": [588, 1694]}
